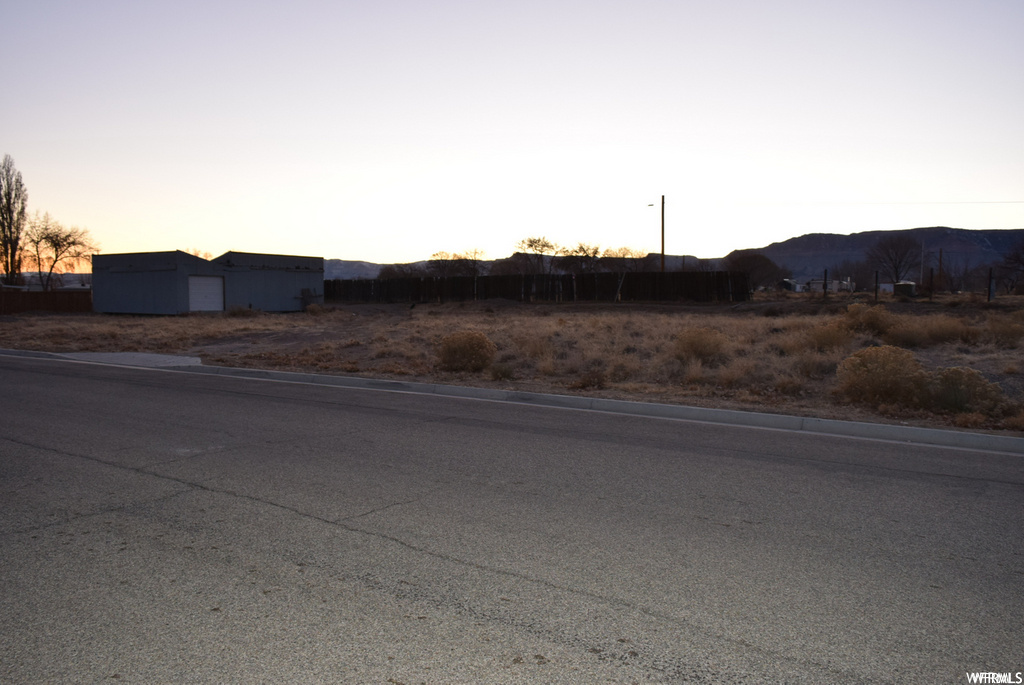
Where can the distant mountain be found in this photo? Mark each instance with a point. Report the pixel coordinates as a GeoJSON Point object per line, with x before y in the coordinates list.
{"type": "Point", "coordinates": [809, 255]}
{"type": "Point", "coordinates": [806, 256]}
{"type": "Point", "coordinates": [349, 270]}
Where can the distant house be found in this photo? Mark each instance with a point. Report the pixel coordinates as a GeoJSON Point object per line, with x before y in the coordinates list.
{"type": "Point", "coordinates": [833, 286]}
{"type": "Point", "coordinates": [178, 282]}
{"type": "Point", "coordinates": [35, 281]}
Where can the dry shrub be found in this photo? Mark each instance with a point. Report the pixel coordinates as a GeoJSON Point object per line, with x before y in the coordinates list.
{"type": "Point", "coordinates": [925, 331]}
{"type": "Point", "coordinates": [875, 320]}
{"type": "Point", "coordinates": [466, 351]}
{"type": "Point", "coordinates": [739, 373]}
{"type": "Point", "coordinates": [694, 373]}
{"type": "Point", "coordinates": [547, 367]}
{"type": "Point", "coordinates": [964, 390]}
{"type": "Point", "coordinates": [315, 309]}
{"type": "Point", "coordinates": [906, 334]}
{"type": "Point", "coordinates": [623, 371]}
{"type": "Point", "coordinates": [882, 375]}
{"type": "Point", "coordinates": [395, 368]}
{"type": "Point", "coordinates": [790, 336]}
{"type": "Point", "coordinates": [944, 329]}
{"type": "Point", "coordinates": [829, 336]}
{"type": "Point", "coordinates": [815, 365]}
{"type": "Point", "coordinates": [321, 356]}
{"type": "Point", "coordinates": [1003, 332]}
{"type": "Point", "coordinates": [593, 378]}
{"type": "Point", "coordinates": [707, 346]}
{"type": "Point", "coordinates": [502, 371]}
{"type": "Point", "coordinates": [970, 420]}
{"type": "Point", "coordinates": [788, 385]}
{"type": "Point", "coordinates": [892, 377]}
{"type": "Point", "coordinates": [747, 373]}
{"type": "Point", "coordinates": [534, 347]}
{"type": "Point", "coordinates": [1015, 422]}
{"type": "Point", "coordinates": [238, 311]}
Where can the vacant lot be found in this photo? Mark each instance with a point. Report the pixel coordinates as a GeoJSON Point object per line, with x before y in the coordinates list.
{"type": "Point", "coordinates": [954, 362]}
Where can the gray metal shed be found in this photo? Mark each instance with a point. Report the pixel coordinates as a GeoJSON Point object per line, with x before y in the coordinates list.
{"type": "Point", "coordinates": [178, 282]}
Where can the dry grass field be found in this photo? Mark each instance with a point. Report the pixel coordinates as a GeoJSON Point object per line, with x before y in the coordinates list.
{"type": "Point", "coordinates": [953, 362]}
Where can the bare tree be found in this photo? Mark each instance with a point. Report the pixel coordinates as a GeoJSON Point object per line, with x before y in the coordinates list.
{"type": "Point", "coordinates": [581, 259]}
{"type": "Point", "coordinates": [445, 264]}
{"type": "Point", "coordinates": [441, 264]}
{"type": "Point", "coordinates": [957, 271]}
{"type": "Point", "coordinates": [470, 262]}
{"type": "Point", "coordinates": [402, 271]}
{"type": "Point", "coordinates": [897, 256]}
{"type": "Point", "coordinates": [1014, 259]}
{"type": "Point", "coordinates": [540, 253]}
{"type": "Point", "coordinates": [53, 249]}
{"type": "Point", "coordinates": [1010, 271]}
{"type": "Point", "coordinates": [859, 273]}
{"type": "Point", "coordinates": [623, 259]}
{"type": "Point", "coordinates": [13, 209]}
{"type": "Point", "coordinates": [1010, 281]}
{"type": "Point", "coordinates": [202, 254]}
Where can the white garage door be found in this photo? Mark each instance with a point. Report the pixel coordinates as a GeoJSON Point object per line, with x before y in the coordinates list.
{"type": "Point", "coordinates": [205, 293]}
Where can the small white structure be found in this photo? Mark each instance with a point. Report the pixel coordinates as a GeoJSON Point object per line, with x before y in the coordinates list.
{"type": "Point", "coordinates": [905, 289]}
{"type": "Point", "coordinates": [818, 285]}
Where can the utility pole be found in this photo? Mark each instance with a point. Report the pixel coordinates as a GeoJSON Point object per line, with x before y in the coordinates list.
{"type": "Point", "coordinates": [662, 232]}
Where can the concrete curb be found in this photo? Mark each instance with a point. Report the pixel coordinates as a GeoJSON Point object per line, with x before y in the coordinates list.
{"type": "Point", "coordinates": [143, 359]}
{"type": "Point", "coordinates": [849, 429]}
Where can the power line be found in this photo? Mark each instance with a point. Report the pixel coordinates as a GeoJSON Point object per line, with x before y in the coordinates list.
{"type": "Point", "coordinates": [966, 202]}
{"type": "Point", "coordinates": [886, 203]}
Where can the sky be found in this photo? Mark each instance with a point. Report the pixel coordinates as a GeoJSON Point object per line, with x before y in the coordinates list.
{"type": "Point", "coordinates": [387, 131]}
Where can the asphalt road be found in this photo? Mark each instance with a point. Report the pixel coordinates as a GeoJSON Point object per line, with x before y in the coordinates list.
{"type": "Point", "coordinates": [165, 527]}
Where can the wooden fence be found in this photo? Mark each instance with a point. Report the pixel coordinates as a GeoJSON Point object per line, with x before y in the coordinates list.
{"type": "Point", "coordinates": [711, 286]}
{"type": "Point", "coordinates": [17, 301]}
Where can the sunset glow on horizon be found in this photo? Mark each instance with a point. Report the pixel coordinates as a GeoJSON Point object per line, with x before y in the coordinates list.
{"type": "Point", "coordinates": [388, 131]}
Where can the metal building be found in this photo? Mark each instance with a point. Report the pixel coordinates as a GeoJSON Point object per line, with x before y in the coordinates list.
{"type": "Point", "coordinates": [178, 282]}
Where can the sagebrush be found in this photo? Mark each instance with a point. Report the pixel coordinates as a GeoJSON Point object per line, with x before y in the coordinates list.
{"type": "Point", "coordinates": [882, 375]}
{"type": "Point", "coordinates": [468, 350]}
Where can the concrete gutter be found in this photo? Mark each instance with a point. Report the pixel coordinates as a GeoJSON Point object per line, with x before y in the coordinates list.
{"type": "Point", "coordinates": [852, 429]}
{"type": "Point", "coordinates": [141, 359]}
